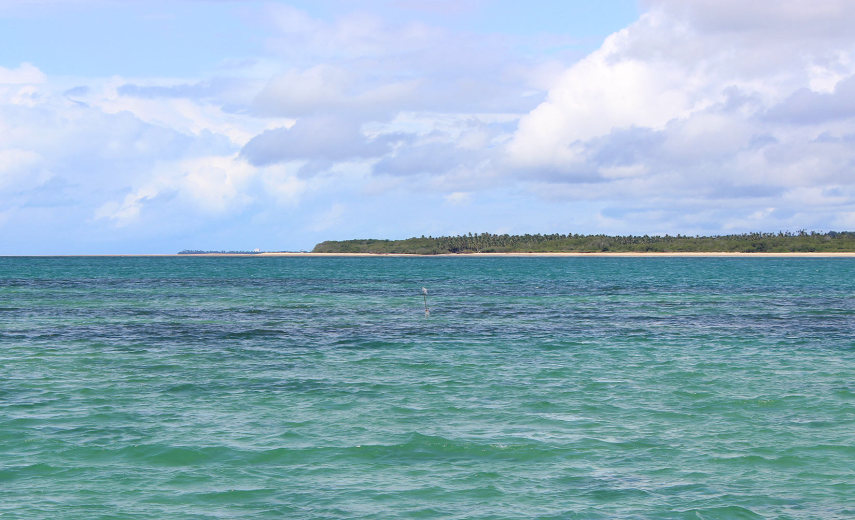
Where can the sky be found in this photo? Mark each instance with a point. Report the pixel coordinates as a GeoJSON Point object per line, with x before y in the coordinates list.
{"type": "Point", "coordinates": [149, 126]}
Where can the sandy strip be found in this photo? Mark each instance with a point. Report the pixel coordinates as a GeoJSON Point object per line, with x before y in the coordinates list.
{"type": "Point", "coordinates": [469, 255]}
{"type": "Point", "coordinates": [628, 255]}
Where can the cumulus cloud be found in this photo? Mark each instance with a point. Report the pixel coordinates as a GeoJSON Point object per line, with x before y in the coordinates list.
{"type": "Point", "coordinates": [460, 156]}
{"type": "Point", "coordinates": [349, 81]}
{"type": "Point", "coordinates": [431, 158]}
{"type": "Point", "coordinates": [702, 116]}
{"type": "Point", "coordinates": [829, 19]}
{"type": "Point", "coordinates": [78, 151]}
{"type": "Point", "coordinates": [363, 64]}
{"type": "Point", "coordinates": [325, 89]}
{"type": "Point", "coordinates": [24, 74]}
{"type": "Point", "coordinates": [328, 139]}
{"type": "Point", "coordinates": [458, 198]}
{"type": "Point", "coordinates": [709, 101]}
{"type": "Point", "coordinates": [321, 88]}
{"type": "Point", "coordinates": [807, 106]}
{"type": "Point", "coordinates": [184, 90]}
{"type": "Point", "coordinates": [212, 184]}
{"type": "Point", "coordinates": [21, 170]}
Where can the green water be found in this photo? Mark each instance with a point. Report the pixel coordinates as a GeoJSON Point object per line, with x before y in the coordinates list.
{"type": "Point", "coordinates": [627, 388]}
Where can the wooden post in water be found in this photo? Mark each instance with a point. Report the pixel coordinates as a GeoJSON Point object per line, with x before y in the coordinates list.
{"type": "Point", "coordinates": [424, 293]}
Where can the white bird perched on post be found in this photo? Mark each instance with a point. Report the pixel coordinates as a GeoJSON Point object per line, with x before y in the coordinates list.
{"type": "Point", "coordinates": [424, 293]}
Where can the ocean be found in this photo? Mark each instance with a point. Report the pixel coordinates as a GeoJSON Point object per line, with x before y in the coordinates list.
{"type": "Point", "coordinates": [538, 388]}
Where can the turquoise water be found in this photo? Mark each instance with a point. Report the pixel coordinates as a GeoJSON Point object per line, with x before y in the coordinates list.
{"type": "Point", "coordinates": [627, 388]}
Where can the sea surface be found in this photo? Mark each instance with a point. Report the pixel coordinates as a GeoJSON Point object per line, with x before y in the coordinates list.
{"type": "Point", "coordinates": [548, 388]}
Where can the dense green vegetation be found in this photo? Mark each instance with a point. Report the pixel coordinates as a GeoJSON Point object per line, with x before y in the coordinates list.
{"type": "Point", "coordinates": [783, 242]}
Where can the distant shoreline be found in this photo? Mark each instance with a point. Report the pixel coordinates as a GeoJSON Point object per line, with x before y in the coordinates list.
{"type": "Point", "coordinates": [722, 254]}
{"type": "Point", "coordinates": [575, 254]}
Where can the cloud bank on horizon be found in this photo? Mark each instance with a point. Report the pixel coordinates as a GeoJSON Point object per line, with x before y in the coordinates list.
{"type": "Point", "coordinates": [409, 118]}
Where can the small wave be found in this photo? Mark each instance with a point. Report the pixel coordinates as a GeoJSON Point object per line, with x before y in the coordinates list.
{"type": "Point", "coordinates": [415, 448]}
{"type": "Point", "coordinates": [184, 388]}
{"type": "Point", "coordinates": [363, 343]}
{"type": "Point", "coordinates": [255, 311]}
{"type": "Point", "coordinates": [253, 333]}
{"type": "Point", "coordinates": [722, 513]}
{"type": "Point", "coordinates": [619, 494]}
{"type": "Point", "coordinates": [165, 455]}
{"type": "Point", "coordinates": [830, 451]}
{"type": "Point", "coordinates": [845, 393]}
{"type": "Point", "coordinates": [37, 471]}
{"type": "Point", "coordinates": [230, 496]}
{"type": "Point", "coordinates": [787, 461]}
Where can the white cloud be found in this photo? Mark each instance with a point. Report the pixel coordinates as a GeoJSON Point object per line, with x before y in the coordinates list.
{"type": "Point", "coordinates": [21, 86]}
{"type": "Point", "coordinates": [24, 74]}
{"type": "Point", "coordinates": [623, 172]}
{"type": "Point", "coordinates": [183, 107]}
{"type": "Point", "coordinates": [843, 220]}
{"type": "Point", "coordinates": [798, 19]}
{"type": "Point", "coordinates": [128, 210]}
{"type": "Point", "coordinates": [325, 139]}
{"type": "Point", "coordinates": [20, 170]}
{"type": "Point", "coordinates": [718, 102]}
{"type": "Point", "coordinates": [214, 184]}
{"type": "Point", "coordinates": [120, 159]}
{"type": "Point", "coordinates": [701, 116]}
{"type": "Point", "coordinates": [595, 96]}
{"type": "Point", "coordinates": [282, 183]}
{"type": "Point", "coordinates": [295, 92]}
{"type": "Point", "coordinates": [458, 198]}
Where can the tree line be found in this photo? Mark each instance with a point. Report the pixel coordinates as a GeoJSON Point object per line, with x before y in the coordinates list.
{"type": "Point", "coordinates": [781, 242]}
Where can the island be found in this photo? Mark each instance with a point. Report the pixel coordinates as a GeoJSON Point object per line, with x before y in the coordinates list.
{"type": "Point", "coordinates": [781, 242]}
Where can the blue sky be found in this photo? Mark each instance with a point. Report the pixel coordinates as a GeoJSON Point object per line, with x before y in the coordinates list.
{"type": "Point", "coordinates": [149, 127]}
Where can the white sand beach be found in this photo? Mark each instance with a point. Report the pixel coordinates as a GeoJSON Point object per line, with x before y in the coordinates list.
{"type": "Point", "coordinates": [648, 255]}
